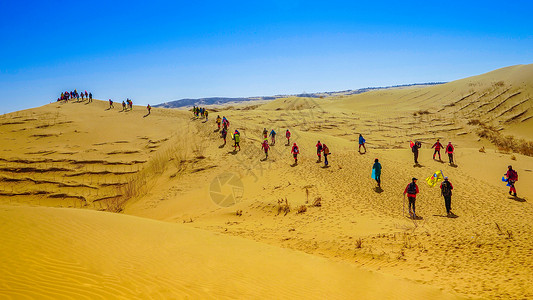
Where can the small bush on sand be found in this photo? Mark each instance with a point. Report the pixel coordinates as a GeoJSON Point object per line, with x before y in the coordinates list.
{"type": "Point", "coordinates": [302, 209]}
{"type": "Point", "coordinates": [283, 206]}
{"type": "Point", "coordinates": [359, 243]}
{"type": "Point", "coordinates": [317, 202]}
{"type": "Point", "coordinates": [238, 212]}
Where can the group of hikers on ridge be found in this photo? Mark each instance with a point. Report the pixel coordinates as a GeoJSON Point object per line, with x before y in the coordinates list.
{"type": "Point", "coordinates": [200, 111]}
{"type": "Point", "coordinates": [449, 149]}
{"type": "Point", "coordinates": [65, 96]}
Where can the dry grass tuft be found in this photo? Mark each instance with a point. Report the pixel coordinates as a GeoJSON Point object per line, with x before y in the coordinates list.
{"type": "Point", "coordinates": [513, 157]}
{"type": "Point", "coordinates": [301, 209]}
{"type": "Point", "coordinates": [283, 206]}
{"type": "Point", "coordinates": [238, 213]}
{"type": "Point", "coordinates": [482, 149]}
{"type": "Point", "coordinates": [359, 243]}
{"type": "Point", "coordinates": [317, 202]}
{"type": "Point", "coordinates": [505, 143]}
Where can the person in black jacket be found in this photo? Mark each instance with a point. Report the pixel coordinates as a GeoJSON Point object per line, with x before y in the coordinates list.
{"type": "Point", "coordinates": [446, 188]}
{"type": "Point", "coordinates": [417, 145]}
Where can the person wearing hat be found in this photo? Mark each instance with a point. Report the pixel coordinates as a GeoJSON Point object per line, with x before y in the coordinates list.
{"type": "Point", "coordinates": [377, 172]}
{"type": "Point", "coordinates": [437, 147]}
{"type": "Point", "coordinates": [446, 188]}
{"type": "Point", "coordinates": [512, 177]}
{"type": "Point", "coordinates": [417, 145]}
{"type": "Point", "coordinates": [411, 190]}
{"type": "Point", "coordinates": [295, 151]}
{"type": "Point", "coordinates": [449, 150]}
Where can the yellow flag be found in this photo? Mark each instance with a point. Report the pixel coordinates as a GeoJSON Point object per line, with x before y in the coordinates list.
{"type": "Point", "coordinates": [435, 178]}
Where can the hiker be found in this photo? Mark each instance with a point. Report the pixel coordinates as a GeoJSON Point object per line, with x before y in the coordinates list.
{"type": "Point", "coordinates": [223, 134]}
{"type": "Point", "coordinates": [361, 143]}
{"type": "Point", "coordinates": [377, 172]}
{"type": "Point", "coordinates": [437, 147]}
{"type": "Point", "coordinates": [90, 97]}
{"type": "Point", "coordinates": [82, 97]}
{"type": "Point", "coordinates": [131, 104]}
{"type": "Point", "coordinates": [288, 136]}
{"type": "Point", "coordinates": [319, 151]}
{"type": "Point", "coordinates": [295, 152]}
{"type": "Point", "coordinates": [86, 95]}
{"type": "Point", "coordinates": [225, 122]}
{"type": "Point", "coordinates": [111, 104]}
{"type": "Point", "coordinates": [265, 133]}
{"type": "Point", "coordinates": [512, 177]}
{"type": "Point", "coordinates": [449, 150]}
{"type": "Point", "coordinates": [237, 139]}
{"type": "Point", "coordinates": [265, 147]}
{"type": "Point", "coordinates": [411, 190]}
{"type": "Point", "coordinates": [325, 149]}
{"type": "Point", "coordinates": [273, 136]}
{"type": "Point", "coordinates": [446, 188]}
{"type": "Point", "coordinates": [218, 121]}
{"type": "Point", "coordinates": [206, 115]}
{"type": "Point", "coordinates": [414, 147]}
{"type": "Point", "coordinates": [149, 108]}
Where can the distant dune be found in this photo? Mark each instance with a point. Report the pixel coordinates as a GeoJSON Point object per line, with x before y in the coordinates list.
{"type": "Point", "coordinates": [198, 219]}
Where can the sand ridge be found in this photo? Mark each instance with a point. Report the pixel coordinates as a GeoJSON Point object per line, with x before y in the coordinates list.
{"type": "Point", "coordinates": [164, 166]}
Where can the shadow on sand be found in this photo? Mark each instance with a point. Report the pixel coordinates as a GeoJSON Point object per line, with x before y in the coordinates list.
{"type": "Point", "coordinates": [378, 190]}
{"type": "Point", "coordinates": [518, 199]}
{"type": "Point", "coordinates": [417, 165]}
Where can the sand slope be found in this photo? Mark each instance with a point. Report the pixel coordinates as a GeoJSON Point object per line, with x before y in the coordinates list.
{"type": "Point", "coordinates": [50, 253]}
{"type": "Point", "coordinates": [164, 166]}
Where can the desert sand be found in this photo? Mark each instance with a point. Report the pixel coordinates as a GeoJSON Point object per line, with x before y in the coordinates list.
{"type": "Point", "coordinates": [195, 219]}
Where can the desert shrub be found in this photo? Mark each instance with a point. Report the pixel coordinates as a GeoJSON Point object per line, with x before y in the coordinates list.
{"type": "Point", "coordinates": [283, 206]}
{"type": "Point", "coordinates": [317, 202]}
{"type": "Point", "coordinates": [302, 209]}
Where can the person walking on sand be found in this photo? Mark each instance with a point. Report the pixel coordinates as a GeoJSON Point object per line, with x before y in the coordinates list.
{"type": "Point", "coordinates": [295, 151]}
{"type": "Point", "coordinates": [446, 188]}
{"type": "Point", "coordinates": [237, 140]}
{"type": "Point", "coordinates": [411, 190]}
{"type": "Point", "coordinates": [437, 147]}
{"type": "Point", "coordinates": [265, 147]}
{"type": "Point", "coordinates": [449, 150]}
{"type": "Point", "coordinates": [149, 108]}
{"type": "Point", "coordinates": [218, 121]}
{"type": "Point", "coordinates": [377, 172]}
{"type": "Point", "coordinates": [414, 147]}
{"type": "Point", "coordinates": [225, 122]}
{"type": "Point", "coordinates": [206, 115]}
{"type": "Point", "coordinates": [512, 178]}
{"type": "Point", "coordinates": [361, 143]}
{"type": "Point", "coordinates": [288, 136]}
{"type": "Point", "coordinates": [273, 136]}
{"type": "Point", "coordinates": [223, 134]}
{"type": "Point", "coordinates": [319, 151]}
{"type": "Point", "coordinates": [325, 149]}
{"type": "Point", "coordinates": [265, 133]}
{"type": "Point", "coordinates": [111, 104]}
{"type": "Point", "coordinates": [123, 105]}
{"type": "Point", "coordinates": [90, 97]}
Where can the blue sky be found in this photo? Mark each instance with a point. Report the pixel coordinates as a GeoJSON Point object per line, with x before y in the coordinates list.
{"type": "Point", "coordinates": [157, 51]}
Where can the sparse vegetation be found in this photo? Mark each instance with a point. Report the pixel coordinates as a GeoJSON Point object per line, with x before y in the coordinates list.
{"type": "Point", "coordinates": [359, 243]}
{"type": "Point", "coordinates": [503, 142]}
{"type": "Point", "coordinates": [301, 209]}
{"type": "Point", "coordinates": [317, 202]}
{"type": "Point", "coordinates": [283, 206]}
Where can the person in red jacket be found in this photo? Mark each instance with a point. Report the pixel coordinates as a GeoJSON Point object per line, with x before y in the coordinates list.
{"type": "Point", "coordinates": [449, 150]}
{"type": "Point", "coordinates": [295, 151]}
{"type": "Point", "coordinates": [437, 147]}
{"type": "Point", "coordinates": [288, 136]}
{"type": "Point", "coordinates": [512, 177]}
{"type": "Point", "coordinates": [411, 190]}
{"type": "Point", "coordinates": [319, 151]}
{"type": "Point", "coordinates": [265, 146]}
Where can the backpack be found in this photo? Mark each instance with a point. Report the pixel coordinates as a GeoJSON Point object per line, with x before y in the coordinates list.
{"type": "Point", "coordinates": [514, 175]}
{"type": "Point", "coordinates": [449, 148]}
{"type": "Point", "coordinates": [296, 150]}
{"type": "Point", "coordinates": [411, 188]}
{"type": "Point", "coordinates": [446, 188]}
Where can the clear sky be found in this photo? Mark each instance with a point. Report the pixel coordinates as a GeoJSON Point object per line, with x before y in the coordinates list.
{"type": "Point", "coordinates": [158, 51]}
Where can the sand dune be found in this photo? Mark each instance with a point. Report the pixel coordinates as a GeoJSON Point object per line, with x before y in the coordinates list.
{"type": "Point", "coordinates": [64, 253]}
{"type": "Point", "coordinates": [171, 167]}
